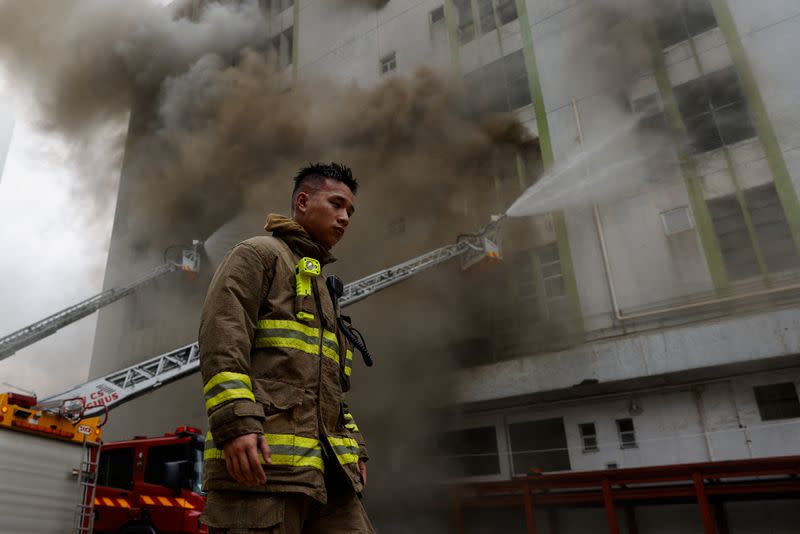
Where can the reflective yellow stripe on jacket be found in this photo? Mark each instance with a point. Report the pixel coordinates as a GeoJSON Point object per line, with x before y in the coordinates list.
{"type": "Point", "coordinates": [348, 363]}
{"type": "Point", "coordinates": [285, 449]}
{"type": "Point", "coordinates": [293, 335]}
{"type": "Point", "coordinates": [227, 386]}
{"type": "Point", "coordinates": [350, 423]}
{"type": "Point", "coordinates": [346, 449]}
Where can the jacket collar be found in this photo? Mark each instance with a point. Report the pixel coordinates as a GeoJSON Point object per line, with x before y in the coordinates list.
{"type": "Point", "coordinates": [298, 239]}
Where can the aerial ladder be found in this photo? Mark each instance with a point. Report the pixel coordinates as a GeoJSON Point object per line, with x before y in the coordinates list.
{"type": "Point", "coordinates": [32, 333]}
{"type": "Point", "coordinates": [101, 394]}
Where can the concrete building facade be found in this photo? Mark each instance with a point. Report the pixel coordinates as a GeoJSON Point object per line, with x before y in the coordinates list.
{"type": "Point", "coordinates": [677, 296]}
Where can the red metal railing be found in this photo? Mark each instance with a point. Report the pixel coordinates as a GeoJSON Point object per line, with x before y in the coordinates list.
{"type": "Point", "coordinates": [703, 483]}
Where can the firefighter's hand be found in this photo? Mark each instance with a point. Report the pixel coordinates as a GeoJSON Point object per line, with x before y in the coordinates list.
{"type": "Point", "coordinates": [241, 458]}
{"type": "Point", "coordinates": [362, 468]}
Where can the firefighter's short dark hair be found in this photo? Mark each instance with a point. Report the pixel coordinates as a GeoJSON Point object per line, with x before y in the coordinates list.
{"type": "Point", "coordinates": [321, 171]}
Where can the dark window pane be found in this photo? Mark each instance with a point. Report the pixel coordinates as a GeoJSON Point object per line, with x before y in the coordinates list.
{"type": "Point", "coordinates": [437, 15]}
{"type": "Point", "coordinates": [471, 452]}
{"type": "Point", "coordinates": [115, 468]}
{"type": "Point", "coordinates": [506, 11]}
{"type": "Point", "coordinates": [157, 457]}
{"type": "Point", "coordinates": [589, 436]}
{"type": "Point", "coordinates": [735, 244]}
{"type": "Point", "coordinates": [551, 269]}
{"type": "Point", "coordinates": [692, 98]}
{"type": "Point", "coordinates": [669, 24]}
{"type": "Point", "coordinates": [699, 16]}
{"type": "Point", "coordinates": [466, 26]}
{"type": "Point", "coordinates": [625, 425]}
{"type": "Point", "coordinates": [500, 86]}
{"type": "Point", "coordinates": [627, 434]}
{"type": "Point", "coordinates": [703, 133]}
{"type": "Point", "coordinates": [772, 231]}
{"type": "Point", "coordinates": [734, 123]}
{"type": "Point", "coordinates": [647, 105]}
{"type": "Point", "coordinates": [554, 287]}
{"type": "Point", "coordinates": [777, 401]}
{"type": "Point", "coordinates": [724, 87]}
{"type": "Point", "coordinates": [548, 254]}
{"type": "Point", "coordinates": [539, 445]}
{"type": "Point", "coordinates": [486, 14]}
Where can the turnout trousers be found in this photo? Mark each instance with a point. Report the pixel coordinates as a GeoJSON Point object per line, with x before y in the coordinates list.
{"type": "Point", "coordinates": [239, 512]}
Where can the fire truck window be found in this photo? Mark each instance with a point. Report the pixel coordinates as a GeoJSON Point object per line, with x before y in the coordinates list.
{"type": "Point", "coordinates": [158, 456]}
{"type": "Point", "coordinates": [116, 468]}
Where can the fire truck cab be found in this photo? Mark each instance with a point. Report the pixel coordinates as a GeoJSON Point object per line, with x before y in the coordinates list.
{"type": "Point", "coordinates": [151, 485]}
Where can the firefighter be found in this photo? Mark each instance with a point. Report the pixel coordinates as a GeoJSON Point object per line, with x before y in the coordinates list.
{"type": "Point", "coordinates": [283, 453]}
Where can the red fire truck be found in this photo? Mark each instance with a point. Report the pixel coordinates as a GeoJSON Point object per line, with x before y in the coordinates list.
{"type": "Point", "coordinates": [151, 485]}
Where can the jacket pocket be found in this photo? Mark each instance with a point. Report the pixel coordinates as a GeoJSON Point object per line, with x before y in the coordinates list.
{"type": "Point", "coordinates": [276, 396]}
{"type": "Point", "coordinates": [240, 511]}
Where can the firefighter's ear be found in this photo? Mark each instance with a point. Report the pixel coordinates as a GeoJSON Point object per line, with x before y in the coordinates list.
{"type": "Point", "coordinates": [301, 202]}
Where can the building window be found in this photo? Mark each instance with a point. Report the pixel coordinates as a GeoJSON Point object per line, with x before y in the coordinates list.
{"type": "Point", "coordinates": [677, 220]}
{"type": "Point", "coordinates": [777, 401]}
{"type": "Point", "coordinates": [490, 12]}
{"type": "Point", "coordinates": [466, 24]}
{"type": "Point", "coordinates": [627, 434]}
{"type": "Point", "coordinates": [771, 241]}
{"type": "Point", "coordinates": [774, 236]}
{"type": "Point", "coordinates": [588, 437]}
{"type": "Point", "coordinates": [500, 86]}
{"type": "Point", "coordinates": [651, 113]}
{"type": "Point", "coordinates": [539, 445]}
{"type": "Point", "coordinates": [714, 110]}
{"type": "Point", "coordinates": [388, 63]}
{"type": "Point", "coordinates": [274, 7]}
{"type": "Point", "coordinates": [115, 469]}
{"type": "Point", "coordinates": [679, 20]}
{"type": "Point", "coordinates": [281, 48]}
{"type": "Point", "coordinates": [540, 282]}
{"type": "Point", "coordinates": [471, 452]}
{"type": "Point", "coordinates": [555, 292]}
{"type": "Point", "coordinates": [506, 11]}
{"type": "Point", "coordinates": [437, 16]}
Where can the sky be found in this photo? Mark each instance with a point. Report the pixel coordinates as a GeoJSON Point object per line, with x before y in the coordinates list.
{"type": "Point", "coordinates": [53, 249]}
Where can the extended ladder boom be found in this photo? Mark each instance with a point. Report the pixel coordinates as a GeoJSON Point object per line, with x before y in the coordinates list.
{"type": "Point", "coordinates": [49, 325]}
{"type": "Point", "coordinates": [121, 386]}
{"type": "Point", "coordinates": [32, 333]}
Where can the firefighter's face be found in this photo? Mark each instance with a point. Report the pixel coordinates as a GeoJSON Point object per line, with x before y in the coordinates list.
{"type": "Point", "coordinates": [325, 211]}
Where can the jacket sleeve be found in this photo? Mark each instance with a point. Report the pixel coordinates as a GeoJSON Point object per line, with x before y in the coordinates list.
{"type": "Point", "coordinates": [227, 326]}
{"type": "Point", "coordinates": [350, 424]}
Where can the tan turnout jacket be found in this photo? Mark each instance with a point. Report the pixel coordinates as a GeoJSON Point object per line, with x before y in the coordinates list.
{"type": "Point", "coordinates": [265, 371]}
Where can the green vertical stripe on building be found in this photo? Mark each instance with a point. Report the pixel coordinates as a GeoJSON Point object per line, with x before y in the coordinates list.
{"type": "Point", "coordinates": [702, 217]}
{"type": "Point", "coordinates": [546, 145]}
{"type": "Point", "coordinates": [534, 84]}
{"type": "Point", "coordinates": [755, 102]}
{"type": "Point", "coordinates": [451, 18]}
{"type": "Point", "coordinates": [295, 39]}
